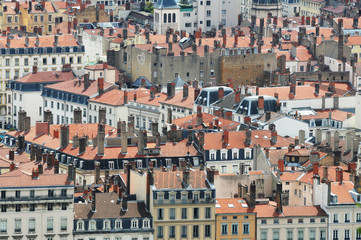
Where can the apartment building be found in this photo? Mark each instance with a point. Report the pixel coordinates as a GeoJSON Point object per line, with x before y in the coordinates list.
{"type": "Point", "coordinates": [183, 204]}
{"type": "Point", "coordinates": [234, 219]}
{"type": "Point", "coordinates": [26, 92]}
{"type": "Point", "coordinates": [311, 8]}
{"type": "Point", "coordinates": [38, 17]}
{"type": "Point", "coordinates": [18, 56]}
{"type": "Point", "coordinates": [36, 206]}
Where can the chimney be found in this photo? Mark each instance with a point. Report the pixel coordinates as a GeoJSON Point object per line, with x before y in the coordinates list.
{"type": "Point", "coordinates": [247, 120]}
{"type": "Point", "coordinates": [131, 125]}
{"type": "Point", "coordinates": [47, 116]}
{"type": "Point", "coordinates": [124, 139]}
{"type": "Point", "coordinates": [70, 172]}
{"type": "Point", "coordinates": [100, 86]}
{"type": "Point", "coordinates": [225, 137]}
{"type": "Point", "coordinates": [82, 145]}
{"type": "Point", "coordinates": [260, 105]}
{"type": "Point", "coordinates": [56, 167]}
{"type": "Point", "coordinates": [281, 165]}
{"type": "Point", "coordinates": [293, 89]}
{"type": "Point", "coordinates": [56, 40]}
{"type": "Point", "coordinates": [64, 136]}
{"type": "Point", "coordinates": [268, 116]}
{"type": "Point", "coordinates": [41, 168]}
{"type": "Point", "coordinates": [142, 141]}
{"type": "Point", "coordinates": [336, 141]}
{"type": "Point", "coordinates": [77, 116]}
{"type": "Point", "coordinates": [93, 200]}
{"type": "Point", "coordinates": [220, 93]}
{"type": "Point", "coordinates": [21, 120]}
{"type": "Point", "coordinates": [197, 91]}
{"type": "Point", "coordinates": [96, 172]}
{"type": "Point", "coordinates": [317, 88]}
{"type": "Point", "coordinates": [210, 175]}
{"type": "Point", "coordinates": [35, 174]}
{"type": "Point", "coordinates": [185, 91]}
{"type": "Point", "coordinates": [186, 177]}
{"type": "Point", "coordinates": [301, 136]}
{"type": "Point", "coordinates": [278, 197]}
{"type": "Point", "coordinates": [274, 137]}
{"type": "Point", "coordinates": [248, 139]}
{"type": "Point", "coordinates": [328, 138]}
{"type": "Point", "coordinates": [125, 203]}
{"type": "Point", "coordinates": [170, 115]}
{"type": "Point", "coordinates": [199, 115]}
{"type": "Point", "coordinates": [229, 115]}
{"type": "Point", "coordinates": [314, 156]}
{"type": "Point", "coordinates": [252, 195]}
{"type": "Point", "coordinates": [86, 81]}
{"type": "Point", "coordinates": [318, 137]}
{"type": "Point", "coordinates": [41, 128]}
{"type": "Point", "coordinates": [237, 97]}
{"type": "Point", "coordinates": [102, 115]}
{"type": "Point", "coordinates": [339, 175]}
{"type": "Point", "coordinates": [100, 139]}
{"type": "Point", "coordinates": [21, 143]}
{"type": "Point", "coordinates": [152, 92]}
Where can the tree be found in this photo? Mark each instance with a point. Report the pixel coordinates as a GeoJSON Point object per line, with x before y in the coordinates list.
{"type": "Point", "coordinates": [149, 7]}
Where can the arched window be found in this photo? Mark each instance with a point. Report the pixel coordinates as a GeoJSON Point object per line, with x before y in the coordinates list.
{"type": "Point", "coordinates": [80, 225]}
{"type": "Point", "coordinates": [134, 223]}
{"type": "Point", "coordinates": [164, 17]}
{"type": "Point", "coordinates": [169, 17]}
{"type": "Point", "coordinates": [118, 224]}
{"type": "Point", "coordinates": [174, 17]}
{"type": "Point", "coordinates": [106, 224]}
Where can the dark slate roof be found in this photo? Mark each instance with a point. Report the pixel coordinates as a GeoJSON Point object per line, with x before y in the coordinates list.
{"type": "Point", "coordinates": [163, 4]}
{"type": "Point", "coordinates": [179, 82]}
{"type": "Point", "coordinates": [138, 82]}
{"type": "Point", "coordinates": [228, 102]}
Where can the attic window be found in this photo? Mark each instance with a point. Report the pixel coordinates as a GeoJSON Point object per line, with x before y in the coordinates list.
{"type": "Point", "coordinates": [256, 136]}
{"type": "Point", "coordinates": [265, 137]}
{"type": "Point", "coordinates": [241, 201]}
{"type": "Point", "coordinates": [218, 206]}
{"type": "Point", "coordinates": [230, 205]}
{"type": "Point", "coordinates": [244, 205]}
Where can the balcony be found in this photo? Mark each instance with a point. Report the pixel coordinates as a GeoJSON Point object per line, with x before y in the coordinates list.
{"type": "Point", "coordinates": [38, 199]}
{"type": "Point", "coordinates": [183, 201]}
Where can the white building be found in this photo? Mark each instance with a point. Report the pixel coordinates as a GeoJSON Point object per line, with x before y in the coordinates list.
{"type": "Point", "coordinates": [18, 55]}
{"type": "Point", "coordinates": [26, 92]}
{"type": "Point", "coordinates": [38, 206]}
{"type": "Point", "coordinates": [166, 15]}
{"type": "Point", "coordinates": [290, 8]}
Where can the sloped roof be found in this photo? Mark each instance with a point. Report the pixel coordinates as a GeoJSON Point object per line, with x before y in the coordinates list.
{"type": "Point", "coordinates": [166, 4]}
{"type": "Point", "coordinates": [138, 82]}
{"type": "Point", "coordinates": [179, 82]}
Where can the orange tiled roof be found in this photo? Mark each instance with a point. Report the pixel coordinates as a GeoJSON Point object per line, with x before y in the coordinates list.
{"type": "Point", "coordinates": [173, 180]}
{"type": "Point", "coordinates": [72, 86]}
{"type": "Point", "coordinates": [342, 191]}
{"type": "Point", "coordinates": [290, 176]}
{"type": "Point", "coordinates": [48, 76]}
{"type": "Point", "coordinates": [67, 40]}
{"type": "Point", "coordinates": [131, 32]}
{"type": "Point", "coordinates": [115, 97]}
{"type": "Point", "coordinates": [302, 92]}
{"type": "Point", "coordinates": [232, 205]}
{"type": "Point", "coordinates": [336, 114]}
{"type": "Point", "coordinates": [191, 120]}
{"type": "Point", "coordinates": [17, 178]}
{"type": "Point", "coordinates": [155, 101]}
{"type": "Point", "coordinates": [237, 140]}
{"type": "Point", "coordinates": [178, 99]}
{"type": "Point", "coordinates": [348, 22]}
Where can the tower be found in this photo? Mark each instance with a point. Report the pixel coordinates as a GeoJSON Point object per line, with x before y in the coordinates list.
{"type": "Point", "coordinates": [166, 15]}
{"type": "Point", "coordinates": [266, 8]}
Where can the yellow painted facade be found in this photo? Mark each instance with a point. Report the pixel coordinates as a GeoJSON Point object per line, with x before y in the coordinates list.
{"type": "Point", "coordinates": [236, 226]}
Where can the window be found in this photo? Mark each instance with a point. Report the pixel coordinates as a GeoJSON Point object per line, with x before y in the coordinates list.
{"type": "Point", "coordinates": [32, 225]}
{"type": "Point", "coordinates": [208, 3]}
{"type": "Point", "coordinates": [208, 212]}
{"type": "Point", "coordinates": [276, 221]}
{"type": "Point", "coordinates": [174, 17]}
{"type": "Point", "coordinates": [207, 230]}
{"type": "Point", "coordinates": [3, 194]}
{"type": "Point", "coordinates": [208, 13]}
{"type": "Point", "coordinates": [234, 228]}
{"type": "Point", "coordinates": [276, 235]}
{"type": "Point", "coordinates": [160, 213]}
{"type": "Point", "coordinates": [196, 231]}
{"type": "Point", "coordinates": [146, 223]}
{"type": "Point", "coordinates": [17, 194]}
{"type": "Point", "coordinates": [208, 23]}
{"type": "Point", "coordinates": [9, 18]}
{"type": "Point", "coordinates": [49, 224]}
{"type": "Point", "coordinates": [3, 208]}
{"type": "Point", "coordinates": [358, 236]}
{"type": "Point", "coordinates": [171, 231]}
{"type": "Point", "coordinates": [335, 235]}
{"type": "Point", "coordinates": [80, 225]}
{"type": "Point", "coordinates": [172, 213]}
{"type": "Point", "coordinates": [17, 228]}
{"type": "Point", "coordinates": [245, 228]}
{"type": "Point", "coordinates": [16, 61]}
{"type": "Point", "coordinates": [134, 223]}
{"type": "Point", "coordinates": [184, 231]}
{"type": "Point", "coordinates": [300, 220]}
{"type": "Point", "coordinates": [195, 213]}
{"type": "Point", "coordinates": [289, 234]}
{"type": "Point", "coordinates": [195, 197]}
{"type": "Point", "coordinates": [300, 234]}
{"type": "Point", "coordinates": [92, 225]}
{"type": "Point", "coordinates": [64, 224]}
{"type": "Point", "coordinates": [224, 228]}
{"type": "Point", "coordinates": [160, 232]}
{"type": "Point", "coordinates": [263, 235]}
{"type": "Point", "coordinates": [3, 225]}
{"type": "Point", "coordinates": [347, 217]}
{"type": "Point", "coordinates": [184, 213]}
{"type": "Point", "coordinates": [335, 217]}
{"type": "Point", "coordinates": [32, 207]}
{"type": "Point", "coordinates": [164, 18]}
{"type": "Point", "coordinates": [17, 208]}
{"type": "Point", "coordinates": [358, 217]}
{"type": "Point", "coordinates": [50, 206]}
{"type": "Point", "coordinates": [263, 221]}
{"type": "Point", "coordinates": [347, 234]}
{"type": "Point", "coordinates": [64, 206]}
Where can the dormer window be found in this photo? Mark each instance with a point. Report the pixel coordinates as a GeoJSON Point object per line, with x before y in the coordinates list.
{"type": "Point", "coordinates": [118, 224]}
{"type": "Point", "coordinates": [247, 153]}
{"type": "Point", "coordinates": [235, 153]}
{"type": "Point", "coordinates": [92, 225]}
{"type": "Point", "coordinates": [80, 225]}
{"type": "Point", "coordinates": [172, 197]}
{"type": "Point", "coordinates": [134, 223]}
{"type": "Point", "coordinates": [224, 154]}
{"type": "Point", "coordinates": [196, 197]}
{"type": "Point", "coordinates": [106, 224]}
{"type": "Point", "coordinates": [184, 197]}
{"type": "Point", "coordinates": [146, 223]}
{"type": "Point", "coordinates": [212, 154]}
{"type": "Point", "coordinates": [160, 197]}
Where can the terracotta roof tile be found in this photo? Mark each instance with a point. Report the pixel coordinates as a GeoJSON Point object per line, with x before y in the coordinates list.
{"type": "Point", "coordinates": [67, 40]}
{"type": "Point", "coordinates": [191, 120]}
{"type": "Point", "coordinates": [342, 191]}
{"type": "Point", "coordinates": [336, 114]}
{"type": "Point", "coordinates": [48, 76]}
{"type": "Point", "coordinates": [178, 99]}
{"type": "Point", "coordinates": [237, 140]}
{"type": "Point", "coordinates": [173, 180]}
{"type": "Point", "coordinates": [232, 205]}
{"type": "Point", "coordinates": [115, 97]}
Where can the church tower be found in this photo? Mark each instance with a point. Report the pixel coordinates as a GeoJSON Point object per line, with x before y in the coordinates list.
{"type": "Point", "coordinates": [261, 8]}
{"type": "Point", "coordinates": [166, 15]}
